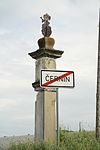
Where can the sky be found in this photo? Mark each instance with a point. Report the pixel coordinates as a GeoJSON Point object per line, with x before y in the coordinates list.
{"type": "Point", "coordinates": [75, 30]}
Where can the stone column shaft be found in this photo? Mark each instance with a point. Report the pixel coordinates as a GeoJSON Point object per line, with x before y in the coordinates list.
{"type": "Point", "coordinates": [45, 111]}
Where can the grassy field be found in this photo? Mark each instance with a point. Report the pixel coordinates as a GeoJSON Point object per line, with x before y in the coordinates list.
{"type": "Point", "coordinates": [68, 141]}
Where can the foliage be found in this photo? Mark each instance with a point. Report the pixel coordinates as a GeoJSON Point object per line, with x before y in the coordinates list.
{"type": "Point", "coordinates": [32, 146]}
{"type": "Point", "coordinates": [79, 141]}
{"type": "Point", "coordinates": [68, 141]}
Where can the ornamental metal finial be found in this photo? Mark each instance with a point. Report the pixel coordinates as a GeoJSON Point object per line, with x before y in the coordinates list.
{"type": "Point", "coordinates": [46, 29]}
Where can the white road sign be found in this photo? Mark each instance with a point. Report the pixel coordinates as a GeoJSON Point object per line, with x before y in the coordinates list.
{"type": "Point", "coordinates": [57, 78]}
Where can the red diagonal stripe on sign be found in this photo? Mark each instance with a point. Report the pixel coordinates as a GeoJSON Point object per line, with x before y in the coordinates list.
{"type": "Point", "coordinates": [56, 79]}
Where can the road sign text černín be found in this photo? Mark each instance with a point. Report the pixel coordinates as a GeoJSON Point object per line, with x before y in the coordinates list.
{"type": "Point", "coordinates": [57, 78]}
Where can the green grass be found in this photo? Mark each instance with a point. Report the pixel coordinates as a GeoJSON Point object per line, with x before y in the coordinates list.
{"type": "Point", "coordinates": [79, 141]}
{"type": "Point", "coordinates": [68, 141]}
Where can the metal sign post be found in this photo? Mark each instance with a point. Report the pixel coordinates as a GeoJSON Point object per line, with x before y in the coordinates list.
{"type": "Point", "coordinates": [57, 113]}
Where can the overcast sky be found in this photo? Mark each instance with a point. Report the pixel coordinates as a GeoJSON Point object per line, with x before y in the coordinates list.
{"type": "Point", "coordinates": [75, 29]}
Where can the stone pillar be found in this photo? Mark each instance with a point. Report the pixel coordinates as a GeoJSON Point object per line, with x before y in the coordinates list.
{"type": "Point", "coordinates": [45, 113]}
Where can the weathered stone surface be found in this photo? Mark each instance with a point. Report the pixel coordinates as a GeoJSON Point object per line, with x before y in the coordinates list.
{"type": "Point", "coordinates": [49, 117]}
{"type": "Point", "coordinates": [45, 105]}
{"type": "Point", "coordinates": [39, 120]}
{"type": "Point", "coordinates": [43, 52]}
{"type": "Point", "coordinates": [45, 118]}
{"type": "Point", "coordinates": [46, 42]}
{"type": "Point", "coordinates": [43, 63]}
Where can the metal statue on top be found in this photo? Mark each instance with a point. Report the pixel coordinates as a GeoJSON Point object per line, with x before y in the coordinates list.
{"type": "Point", "coordinates": [46, 29]}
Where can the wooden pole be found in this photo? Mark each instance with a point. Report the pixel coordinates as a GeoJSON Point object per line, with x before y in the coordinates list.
{"type": "Point", "coordinates": [98, 89]}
